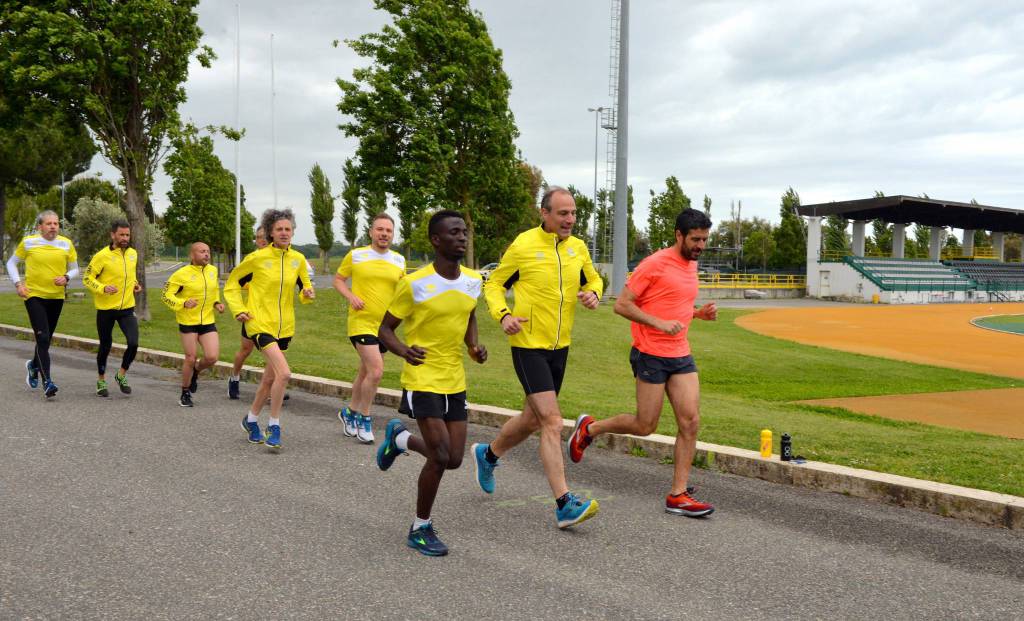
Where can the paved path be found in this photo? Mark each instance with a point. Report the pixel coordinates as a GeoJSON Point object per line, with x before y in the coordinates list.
{"type": "Point", "coordinates": [132, 507]}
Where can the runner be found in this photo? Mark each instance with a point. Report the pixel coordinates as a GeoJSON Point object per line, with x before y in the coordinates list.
{"type": "Point", "coordinates": [374, 270]}
{"type": "Point", "coordinates": [548, 270]}
{"type": "Point", "coordinates": [247, 346]}
{"type": "Point", "coordinates": [438, 303]}
{"type": "Point", "coordinates": [193, 293]}
{"type": "Point", "coordinates": [269, 315]}
{"type": "Point", "coordinates": [658, 298]}
{"type": "Point", "coordinates": [111, 278]}
{"type": "Point", "coordinates": [50, 262]}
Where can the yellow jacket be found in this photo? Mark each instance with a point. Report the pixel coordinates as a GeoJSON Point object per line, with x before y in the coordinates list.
{"type": "Point", "coordinates": [544, 273]}
{"type": "Point", "coordinates": [271, 274]}
{"type": "Point", "coordinates": [112, 266]}
{"type": "Point", "coordinates": [198, 282]}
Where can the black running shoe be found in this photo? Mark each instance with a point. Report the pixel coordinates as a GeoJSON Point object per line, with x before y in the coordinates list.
{"type": "Point", "coordinates": [233, 391]}
{"type": "Point", "coordinates": [186, 399]}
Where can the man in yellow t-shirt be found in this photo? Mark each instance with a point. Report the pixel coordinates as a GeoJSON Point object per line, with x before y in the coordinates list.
{"type": "Point", "coordinates": [438, 305]}
{"type": "Point", "coordinates": [375, 271]}
{"type": "Point", "coordinates": [50, 262]}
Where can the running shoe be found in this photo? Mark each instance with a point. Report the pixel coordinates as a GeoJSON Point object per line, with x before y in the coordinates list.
{"type": "Point", "coordinates": [186, 399]}
{"type": "Point", "coordinates": [193, 386]}
{"type": "Point", "coordinates": [580, 438]}
{"type": "Point", "coordinates": [389, 451]}
{"type": "Point", "coordinates": [233, 391]}
{"type": "Point", "coordinates": [484, 468]}
{"type": "Point", "coordinates": [51, 389]}
{"type": "Point", "coordinates": [575, 511]}
{"type": "Point", "coordinates": [273, 437]}
{"type": "Point", "coordinates": [101, 388]}
{"type": "Point", "coordinates": [252, 430]}
{"type": "Point", "coordinates": [364, 433]}
{"type": "Point", "coordinates": [122, 383]}
{"type": "Point", "coordinates": [685, 504]}
{"type": "Point", "coordinates": [32, 375]}
{"type": "Point", "coordinates": [348, 417]}
{"type": "Point", "coordinates": [424, 540]}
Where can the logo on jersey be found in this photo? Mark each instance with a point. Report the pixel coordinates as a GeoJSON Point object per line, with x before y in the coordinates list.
{"type": "Point", "coordinates": [295, 263]}
{"type": "Point", "coordinates": [540, 254]}
{"type": "Point", "coordinates": [268, 264]}
{"type": "Point", "coordinates": [571, 252]}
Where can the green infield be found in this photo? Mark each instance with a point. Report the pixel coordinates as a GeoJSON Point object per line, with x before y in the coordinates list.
{"type": "Point", "coordinates": [748, 382]}
{"type": "Point", "coordinates": [1012, 324]}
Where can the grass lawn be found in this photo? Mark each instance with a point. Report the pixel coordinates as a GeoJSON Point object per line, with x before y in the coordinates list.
{"type": "Point", "coordinates": [747, 381]}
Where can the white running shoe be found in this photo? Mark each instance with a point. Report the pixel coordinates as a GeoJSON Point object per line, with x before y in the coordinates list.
{"type": "Point", "coordinates": [365, 431]}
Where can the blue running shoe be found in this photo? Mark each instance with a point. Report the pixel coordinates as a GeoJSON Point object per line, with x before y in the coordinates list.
{"type": "Point", "coordinates": [252, 430]}
{"type": "Point", "coordinates": [364, 433]}
{"type": "Point", "coordinates": [389, 451]}
{"type": "Point", "coordinates": [425, 541]}
{"type": "Point", "coordinates": [575, 511]}
{"type": "Point", "coordinates": [51, 389]}
{"type": "Point", "coordinates": [32, 377]}
{"type": "Point", "coordinates": [273, 438]}
{"type": "Point", "coordinates": [484, 468]}
{"type": "Point", "coordinates": [348, 417]}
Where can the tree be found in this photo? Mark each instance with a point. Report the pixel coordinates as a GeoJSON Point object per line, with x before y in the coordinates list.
{"type": "Point", "coordinates": [91, 230]}
{"type": "Point", "coordinates": [432, 118]}
{"type": "Point", "coordinates": [791, 234]}
{"type": "Point", "coordinates": [92, 186]}
{"type": "Point", "coordinates": [664, 208]}
{"type": "Point", "coordinates": [202, 194]}
{"type": "Point", "coordinates": [21, 215]}
{"type": "Point", "coordinates": [37, 143]}
{"type": "Point", "coordinates": [758, 248]}
{"type": "Point", "coordinates": [881, 236]}
{"type": "Point", "coordinates": [375, 201]}
{"type": "Point", "coordinates": [707, 205]}
{"type": "Point", "coordinates": [321, 201]}
{"type": "Point", "coordinates": [117, 67]}
{"type": "Point", "coordinates": [584, 211]}
{"type": "Point", "coordinates": [834, 235]}
{"type": "Point", "coordinates": [350, 199]}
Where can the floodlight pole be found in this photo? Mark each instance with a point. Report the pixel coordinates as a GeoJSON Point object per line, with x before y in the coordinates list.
{"type": "Point", "coordinates": [238, 184]}
{"type": "Point", "coordinates": [619, 257]}
{"type": "Point", "coordinates": [593, 239]}
{"type": "Point", "coordinates": [273, 122]}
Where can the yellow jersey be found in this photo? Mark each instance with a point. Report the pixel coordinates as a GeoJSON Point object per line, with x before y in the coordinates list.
{"type": "Point", "coordinates": [112, 266]}
{"type": "Point", "coordinates": [374, 277]}
{"type": "Point", "coordinates": [198, 282]}
{"type": "Point", "coordinates": [544, 273]}
{"type": "Point", "coordinates": [271, 274]}
{"type": "Point", "coordinates": [45, 261]}
{"type": "Point", "coordinates": [435, 312]}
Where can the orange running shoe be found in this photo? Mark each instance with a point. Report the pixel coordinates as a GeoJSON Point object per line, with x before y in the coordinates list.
{"type": "Point", "coordinates": [580, 438]}
{"type": "Point", "coordinates": [684, 504]}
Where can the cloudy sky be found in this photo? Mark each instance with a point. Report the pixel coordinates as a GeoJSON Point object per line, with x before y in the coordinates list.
{"type": "Point", "coordinates": [738, 99]}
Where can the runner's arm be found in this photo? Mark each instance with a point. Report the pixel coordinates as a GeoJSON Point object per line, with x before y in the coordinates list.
{"type": "Point", "coordinates": [494, 288]}
{"type": "Point", "coordinates": [386, 333]}
{"type": "Point", "coordinates": [170, 294]}
{"type": "Point", "coordinates": [626, 306]}
{"type": "Point", "coordinates": [73, 270]}
{"type": "Point", "coordinates": [92, 272]}
{"type": "Point", "coordinates": [12, 268]}
{"type": "Point", "coordinates": [476, 351]}
{"type": "Point", "coordinates": [233, 286]}
{"type": "Point", "coordinates": [593, 281]}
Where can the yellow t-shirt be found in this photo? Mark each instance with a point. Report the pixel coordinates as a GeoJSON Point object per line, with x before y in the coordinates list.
{"type": "Point", "coordinates": [374, 276]}
{"type": "Point", "coordinates": [45, 260]}
{"type": "Point", "coordinates": [435, 312]}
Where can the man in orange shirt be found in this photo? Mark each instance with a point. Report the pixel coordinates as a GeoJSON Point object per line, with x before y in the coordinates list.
{"type": "Point", "coordinates": [659, 299]}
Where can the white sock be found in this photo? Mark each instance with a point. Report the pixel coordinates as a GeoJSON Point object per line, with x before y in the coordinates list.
{"type": "Point", "coordinates": [418, 523]}
{"type": "Point", "coordinates": [235, 378]}
{"type": "Point", "coordinates": [274, 421]}
{"type": "Point", "coordinates": [402, 440]}
{"type": "Point", "coordinates": [252, 419]}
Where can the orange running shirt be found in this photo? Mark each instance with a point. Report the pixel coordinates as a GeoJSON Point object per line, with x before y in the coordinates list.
{"type": "Point", "coordinates": [665, 285]}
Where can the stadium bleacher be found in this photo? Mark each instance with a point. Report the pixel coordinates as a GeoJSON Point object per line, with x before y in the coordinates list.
{"type": "Point", "coordinates": [910, 274]}
{"type": "Point", "coordinates": [992, 274]}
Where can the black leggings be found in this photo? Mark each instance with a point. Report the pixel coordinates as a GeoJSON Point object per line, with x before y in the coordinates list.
{"type": "Point", "coordinates": [43, 315]}
{"type": "Point", "coordinates": [129, 325]}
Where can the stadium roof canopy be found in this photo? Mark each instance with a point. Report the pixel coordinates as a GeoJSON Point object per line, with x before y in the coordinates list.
{"type": "Point", "coordinates": [926, 211]}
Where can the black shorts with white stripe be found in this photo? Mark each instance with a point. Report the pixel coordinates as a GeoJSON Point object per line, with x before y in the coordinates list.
{"type": "Point", "coordinates": [449, 408]}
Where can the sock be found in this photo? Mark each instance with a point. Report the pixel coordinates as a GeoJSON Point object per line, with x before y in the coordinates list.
{"type": "Point", "coordinates": [274, 421]}
{"type": "Point", "coordinates": [235, 378]}
{"type": "Point", "coordinates": [402, 440]}
{"type": "Point", "coordinates": [252, 419]}
{"type": "Point", "coordinates": [490, 456]}
{"type": "Point", "coordinates": [418, 523]}
{"type": "Point", "coordinates": [562, 500]}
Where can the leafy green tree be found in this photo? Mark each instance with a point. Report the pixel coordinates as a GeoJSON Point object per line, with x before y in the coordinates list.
{"type": "Point", "coordinates": [91, 230]}
{"type": "Point", "coordinates": [584, 211]}
{"type": "Point", "coordinates": [202, 194]}
{"type": "Point", "coordinates": [791, 234]}
{"type": "Point", "coordinates": [118, 67]}
{"type": "Point", "coordinates": [664, 208]}
{"type": "Point", "coordinates": [432, 118]}
{"type": "Point", "coordinates": [758, 247]}
{"type": "Point", "coordinates": [21, 215]}
{"type": "Point", "coordinates": [881, 237]}
{"type": "Point", "coordinates": [834, 234]}
{"type": "Point", "coordinates": [321, 201]}
{"type": "Point", "coordinates": [707, 205]}
{"type": "Point", "coordinates": [375, 201]}
{"type": "Point", "coordinates": [350, 199]}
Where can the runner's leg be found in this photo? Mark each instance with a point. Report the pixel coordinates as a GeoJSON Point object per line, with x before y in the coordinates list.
{"type": "Point", "coordinates": [684, 395]}
{"type": "Point", "coordinates": [210, 343]}
{"type": "Point", "coordinates": [129, 325]}
{"type": "Point", "coordinates": [649, 400]}
{"type": "Point", "coordinates": [105, 332]}
{"type": "Point", "coordinates": [371, 369]}
{"type": "Point", "coordinates": [189, 343]}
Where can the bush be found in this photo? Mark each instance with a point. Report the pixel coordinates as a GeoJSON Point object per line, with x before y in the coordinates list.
{"type": "Point", "coordinates": [91, 230]}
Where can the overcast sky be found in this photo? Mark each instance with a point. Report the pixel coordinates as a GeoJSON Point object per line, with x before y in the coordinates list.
{"type": "Point", "coordinates": [739, 100]}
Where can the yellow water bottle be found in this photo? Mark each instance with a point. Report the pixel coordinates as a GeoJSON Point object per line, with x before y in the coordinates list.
{"type": "Point", "coordinates": [766, 443]}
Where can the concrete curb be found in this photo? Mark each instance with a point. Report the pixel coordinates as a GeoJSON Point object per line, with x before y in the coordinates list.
{"type": "Point", "coordinates": [953, 501]}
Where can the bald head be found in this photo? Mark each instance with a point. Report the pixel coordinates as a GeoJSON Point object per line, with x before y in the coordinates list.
{"type": "Point", "coordinates": [200, 253]}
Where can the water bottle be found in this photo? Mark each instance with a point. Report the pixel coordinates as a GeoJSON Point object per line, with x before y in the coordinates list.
{"type": "Point", "coordinates": [786, 447]}
{"type": "Point", "coordinates": [766, 443]}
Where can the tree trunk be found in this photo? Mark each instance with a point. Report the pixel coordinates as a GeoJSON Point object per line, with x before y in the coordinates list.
{"type": "Point", "coordinates": [470, 260]}
{"type": "Point", "coordinates": [136, 208]}
{"type": "Point", "coordinates": [3, 218]}
{"type": "Point", "coordinates": [323, 255]}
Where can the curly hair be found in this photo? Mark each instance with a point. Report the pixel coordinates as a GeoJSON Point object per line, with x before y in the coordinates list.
{"type": "Point", "coordinates": [271, 216]}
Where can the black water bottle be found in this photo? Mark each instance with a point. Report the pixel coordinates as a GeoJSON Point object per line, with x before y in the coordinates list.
{"type": "Point", "coordinates": [786, 447]}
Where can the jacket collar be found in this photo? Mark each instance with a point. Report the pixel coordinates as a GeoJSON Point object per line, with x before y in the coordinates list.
{"type": "Point", "coordinates": [549, 237]}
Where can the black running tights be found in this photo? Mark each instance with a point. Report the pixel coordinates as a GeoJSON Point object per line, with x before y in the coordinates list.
{"type": "Point", "coordinates": [125, 319]}
{"type": "Point", "coordinates": [43, 315]}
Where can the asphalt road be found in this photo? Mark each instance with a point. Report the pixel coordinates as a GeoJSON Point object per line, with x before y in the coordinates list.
{"type": "Point", "coordinates": [135, 508]}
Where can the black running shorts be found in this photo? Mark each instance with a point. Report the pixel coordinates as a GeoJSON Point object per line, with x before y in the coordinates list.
{"type": "Point", "coordinates": [540, 370]}
{"type": "Point", "coordinates": [263, 339]}
{"type": "Point", "coordinates": [203, 328]}
{"type": "Point", "coordinates": [449, 408]}
{"type": "Point", "coordinates": [368, 339]}
{"type": "Point", "coordinates": [655, 369]}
